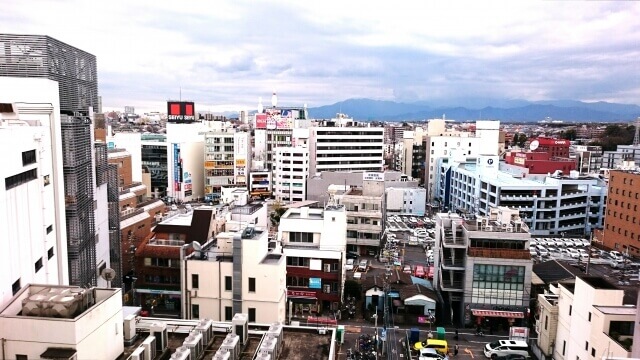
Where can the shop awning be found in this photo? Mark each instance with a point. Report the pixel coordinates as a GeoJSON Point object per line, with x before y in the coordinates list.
{"type": "Point", "coordinates": [419, 300]}
{"type": "Point", "coordinates": [158, 291]}
{"type": "Point", "coordinates": [495, 313]}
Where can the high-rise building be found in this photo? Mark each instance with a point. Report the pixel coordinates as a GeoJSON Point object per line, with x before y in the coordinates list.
{"type": "Point", "coordinates": [622, 223]}
{"type": "Point", "coordinates": [32, 210]}
{"type": "Point", "coordinates": [42, 56]}
{"type": "Point", "coordinates": [344, 145]}
{"type": "Point", "coordinates": [75, 70]}
{"type": "Point", "coordinates": [226, 160]}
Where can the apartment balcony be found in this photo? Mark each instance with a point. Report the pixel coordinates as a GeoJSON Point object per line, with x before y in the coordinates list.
{"type": "Point", "coordinates": [450, 241]}
{"type": "Point", "coordinates": [499, 253]}
{"type": "Point", "coordinates": [363, 242]}
{"type": "Point", "coordinates": [447, 284]}
{"type": "Point", "coordinates": [580, 215]}
{"type": "Point", "coordinates": [516, 197]}
{"type": "Point", "coordinates": [452, 264]}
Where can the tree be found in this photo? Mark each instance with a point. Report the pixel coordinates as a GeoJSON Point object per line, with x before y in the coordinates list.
{"type": "Point", "coordinates": [277, 213]}
{"type": "Point", "coordinates": [522, 139]}
{"type": "Point", "coordinates": [353, 288]}
{"type": "Point", "coordinates": [569, 134]}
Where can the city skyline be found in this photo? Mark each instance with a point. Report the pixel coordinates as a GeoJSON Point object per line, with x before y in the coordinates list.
{"type": "Point", "coordinates": [225, 55]}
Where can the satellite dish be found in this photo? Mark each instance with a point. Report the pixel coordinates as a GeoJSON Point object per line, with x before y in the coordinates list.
{"type": "Point", "coordinates": [196, 245]}
{"type": "Point", "coordinates": [534, 145]}
{"type": "Point", "coordinates": [108, 274]}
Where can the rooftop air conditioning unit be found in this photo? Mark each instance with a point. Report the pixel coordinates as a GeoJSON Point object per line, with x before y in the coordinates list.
{"type": "Point", "coordinates": [130, 329]}
{"type": "Point", "coordinates": [159, 330]}
{"type": "Point", "coordinates": [194, 343]}
{"type": "Point", "coordinates": [275, 330]}
{"type": "Point", "coordinates": [232, 344]}
{"type": "Point", "coordinates": [222, 354]}
{"type": "Point", "coordinates": [138, 354]}
{"type": "Point", "coordinates": [204, 327]}
{"type": "Point", "coordinates": [263, 356]}
{"type": "Point", "coordinates": [270, 346]}
{"type": "Point", "coordinates": [240, 327]}
{"type": "Point", "coordinates": [181, 353]}
{"type": "Point", "coordinates": [149, 345]}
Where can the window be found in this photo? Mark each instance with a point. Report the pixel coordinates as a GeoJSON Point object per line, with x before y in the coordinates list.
{"type": "Point", "coordinates": [28, 157]}
{"type": "Point", "coordinates": [195, 281]}
{"type": "Point", "coordinates": [21, 357]}
{"type": "Point", "coordinates": [252, 284]}
{"type": "Point", "coordinates": [570, 308]}
{"type": "Point", "coordinates": [593, 352]}
{"type": "Point", "coordinates": [46, 180]}
{"type": "Point", "coordinates": [624, 328]}
{"type": "Point", "coordinates": [301, 237]}
{"type": "Point", "coordinates": [49, 229]}
{"type": "Point", "coordinates": [16, 287]}
{"type": "Point", "coordinates": [546, 321]}
{"type": "Point", "coordinates": [195, 311]}
{"type": "Point", "coordinates": [252, 314]}
{"type": "Point", "coordinates": [227, 283]}
{"type": "Point", "coordinates": [228, 313]}
{"type": "Point", "coordinates": [586, 345]}
{"type": "Point", "coordinates": [38, 265]}
{"type": "Point", "coordinates": [564, 346]}
{"type": "Point", "coordinates": [589, 316]}
{"type": "Point", "coordinates": [50, 253]}
{"type": "Point", "coordinates": [19, 179]}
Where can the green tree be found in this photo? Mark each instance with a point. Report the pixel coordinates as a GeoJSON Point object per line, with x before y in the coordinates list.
{"type": "Point", "coordinates": [522, 139]}
{"type": "Point", "coordinates": [569, 134]}
{"type": "Point", "coordinates": [353, 288]}
{"type": "Point", "coordinates": [277, 213]}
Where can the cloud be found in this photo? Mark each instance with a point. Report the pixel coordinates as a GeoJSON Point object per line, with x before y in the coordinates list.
{"type": "Point", "coordinates": [226, 54]}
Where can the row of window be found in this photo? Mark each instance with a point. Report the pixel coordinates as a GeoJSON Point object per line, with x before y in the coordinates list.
{"type": "Point", "coordinates": [228, 283]}
{"type": "Point", "coordinates": [16, 286]}
{"type": "Point", "coordinates": [228, 313]}
{"type": "Point", "coordinates": [626, 232]}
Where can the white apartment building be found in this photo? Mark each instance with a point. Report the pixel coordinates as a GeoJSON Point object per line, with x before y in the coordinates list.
{"type": "Point", "coordinates": [365, 206]}
{"type": "Point", "coordinates": [290, 173]}
{"type": "Point", "coordinates": [548, 204]}
{"type": "Point", "coordinates": [314, 242]}
{"type": "Point", "coordinates": [226, 160]}
{"type": "Point", "coordinates": [185, 158]}
{"type": "Point", "coordinates": [592, 320]}
{"type": "Point", "coordinates": [62, 322]}
{"type": "Point", "coordinates": [236, 272]}
{"type": "Point", "coordinates": [447, 145]}
{"type": "Point", "coordinates": [483, 267]}
{"type": "Point", "coordinates": [347, 148]}
{"type": "Point", "coordinates": [32, 214]}
{"type": "Point", "coordinates": [406, 201]}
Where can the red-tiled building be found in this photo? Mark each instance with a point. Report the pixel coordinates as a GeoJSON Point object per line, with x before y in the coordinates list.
{"type": "Point", "coordinates": [622, 222]}
{"type": "Point", "coordinates": [554, 147]}
{"type": "Point", "coordinates": [540, 162]}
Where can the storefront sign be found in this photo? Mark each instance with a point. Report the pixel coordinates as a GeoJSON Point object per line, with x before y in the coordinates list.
{"type": "Point", "coordinates": [301, 293]}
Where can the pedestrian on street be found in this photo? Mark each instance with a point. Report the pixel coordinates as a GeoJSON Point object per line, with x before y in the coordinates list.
{"type": "Point", "coordinates": [455, 350]}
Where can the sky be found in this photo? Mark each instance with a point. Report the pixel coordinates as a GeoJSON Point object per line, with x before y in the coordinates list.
{"type": "Point", "coordinates": [224, 55]}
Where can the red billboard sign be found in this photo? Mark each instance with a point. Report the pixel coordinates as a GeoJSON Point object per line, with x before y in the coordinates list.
{"type": "Point", "coordinates": [180, 111]}
{"type": "Point", "coordinates": [261, 121]}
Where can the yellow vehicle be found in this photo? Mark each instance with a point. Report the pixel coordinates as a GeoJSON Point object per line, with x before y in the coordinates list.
{"type": "Point", "coordinates": [440, 346]}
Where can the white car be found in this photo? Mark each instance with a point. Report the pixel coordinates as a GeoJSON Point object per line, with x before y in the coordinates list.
{"type": "Point", "coordinates": [573, 253]}
{"type": "Point", "coordinates": [584, 256]}
{"type": "Point", "coordinates": [586, 242]}
{"type": "Point", "coordinates": [349, 265]}
{"type": "Point", "coordinates": [552, 249]}
{"type": "Point", "coordinates": [577, 242]}
{"type": "Point", "coordinates": [543, 251]}
{"type": "Point", "coordinates": [615, 254]}
{"type": "Point", "coordinates": [542, 242]}
{"type": "Point", "coordinates": [533, 251]}
{"type": "Point", "coordinates": [533, 243]}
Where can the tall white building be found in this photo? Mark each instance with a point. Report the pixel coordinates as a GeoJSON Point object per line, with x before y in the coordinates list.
{"type": "Point", "coordinates": [346, 148]}
{"type": "Point", "coordinates": [548, 204]}
{"type": "Point", "coordinates": [406, 201]}
{"type": "Point", "coordinates": [227, 160]}
{"type": "Point", "coordinates": [32, 210]}
{"type": "Point", "coordinates": [184, 161]}
{"type": "Point", "coordinates": [290, 173]}
{"type": "Point", "coordinates": [314, 242]}
{"type": "Point", "coordinates": [132, 142]}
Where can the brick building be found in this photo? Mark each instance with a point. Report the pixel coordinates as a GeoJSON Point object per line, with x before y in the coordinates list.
{"type": "Point", "coordinates": [554, 147]}
{"type": "Point", "coordinates": [622, 222]}
{"type": "Point", "coordinates": [540, 162]}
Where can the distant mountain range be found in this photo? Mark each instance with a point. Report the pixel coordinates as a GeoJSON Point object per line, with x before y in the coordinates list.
{"type": "Point", "coordinates": [480, 109]}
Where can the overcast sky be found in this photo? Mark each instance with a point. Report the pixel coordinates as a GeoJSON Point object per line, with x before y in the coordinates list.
{"type": "Point", "coordinates": [226, 54]}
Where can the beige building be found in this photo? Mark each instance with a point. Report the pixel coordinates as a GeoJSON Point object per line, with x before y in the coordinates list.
{"type": "Point", "coordinates": [593, 322]}
{"type": "Point", "coordinates": [364, 207]}
{"type": "Point", "coordinates": [62, 322]}
{"type": "Point", "coordinates": [237, 272]}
